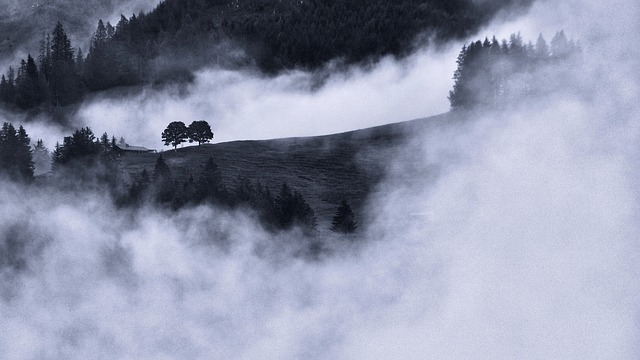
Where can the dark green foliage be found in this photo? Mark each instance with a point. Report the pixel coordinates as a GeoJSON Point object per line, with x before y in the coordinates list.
{"type": "Point", "coordinates": [175, 134]}
{"type": "Point", "coordinates": [344, 219]}
{"type": "Point", "coordinates": [200, 132]}
{"type": "Point", "coordinates": [490, 73]}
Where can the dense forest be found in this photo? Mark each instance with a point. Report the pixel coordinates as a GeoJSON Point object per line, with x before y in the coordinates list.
{"type": "Point", "coordinates": [179, 37]}
{"type": "Point", "coordinates": [493, 72]}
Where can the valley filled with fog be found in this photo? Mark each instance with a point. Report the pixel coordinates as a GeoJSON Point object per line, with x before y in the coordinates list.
{"type": "Point", "coordinates": [512, 232]}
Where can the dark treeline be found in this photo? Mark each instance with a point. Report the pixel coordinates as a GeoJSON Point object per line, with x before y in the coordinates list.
{"type": "Point", "coordinates": [84, 162]}
{"type": "Point", "coordinates": [283, 210]}
{"type": "Point", "coordinates": [178, 37]}
{"type": "Point", "coordinates": [493, 72]}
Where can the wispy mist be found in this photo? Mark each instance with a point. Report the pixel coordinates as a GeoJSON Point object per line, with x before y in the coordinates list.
{"type": "Point", "coordinates": [499, 235]}
{"type": "Point", "coordinates": [241, 105]}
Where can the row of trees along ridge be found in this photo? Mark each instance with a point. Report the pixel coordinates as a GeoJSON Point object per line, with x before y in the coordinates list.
{"type": "Point", "coordinates": [493, 72]}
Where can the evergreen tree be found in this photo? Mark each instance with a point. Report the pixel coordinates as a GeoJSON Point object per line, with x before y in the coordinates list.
{"type": "Point", "coordinates": [344, 220]}
{"type": "Point", "coordinates": [163, 181]}
{"type": "Point", "coordinates": [293, 210]}
{"type": "Point", "coordinates": [210, 186]}
{"type": "Point", "coordinates": [16, 157]}
{"type": "Point", "coordinates": [29, 92]}
{"type": "Point", "coordinates": [24, 156]}
{"type": "Point", "coordinates": [64, 82]}
{"type": "Point", "coordinates": [41, 158]}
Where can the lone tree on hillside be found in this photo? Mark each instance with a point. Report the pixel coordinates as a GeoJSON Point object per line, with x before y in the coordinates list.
{"type": "Point", "coordinates": [344, 220]}
{"type": "Point", "coordinates": [200, 132]}
{"type": "Point", "coordinates": [175, 134]}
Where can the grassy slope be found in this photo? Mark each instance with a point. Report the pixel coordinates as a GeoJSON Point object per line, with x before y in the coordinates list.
{"type": "Point", "coordinates": [324, 169]}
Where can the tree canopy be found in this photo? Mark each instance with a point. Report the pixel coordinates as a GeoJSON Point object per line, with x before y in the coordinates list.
{"type": "Point", "coordinates": [175, 134]}
{"type": "Point", "coordinates": [200, 132]}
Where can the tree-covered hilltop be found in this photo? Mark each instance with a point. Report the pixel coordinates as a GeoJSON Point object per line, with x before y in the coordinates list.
{"type": "Point", "coordinates": [179, 36]}
{"type": "Point", "coordinates": [493, 72]}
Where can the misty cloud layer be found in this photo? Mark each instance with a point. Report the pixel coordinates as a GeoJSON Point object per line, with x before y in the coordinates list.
{"type": "Point", "coordinates": [240, 105]}
{"type": "Point", "coordinates": [519, 241]}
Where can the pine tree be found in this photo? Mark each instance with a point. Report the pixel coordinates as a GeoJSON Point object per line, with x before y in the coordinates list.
{"type": "Point", "coordinates": [24, 156]}
{"type": "Point", "coordinates": [210, 186]}
{"type": "Point", "coordinates": [344, 219]}
{"type": "Point", "coordinates": [16, 157]}
{"type": "Point", "coordinates": [41, 158]}
{"type": "Point", "coordinates": [64, 82]}
{"type": "Point", "coordinates": [293, 210]}
{"type": "Point", "coordinates": [163, 181]}
{"type": "Point", "coordinates": [29, 92]}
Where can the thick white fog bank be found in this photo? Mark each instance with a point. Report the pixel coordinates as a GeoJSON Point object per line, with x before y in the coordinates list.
{"type": "Point", "coordinates": [241, 105]}
{"type": "Point", "coordinates": [524, 246]}
{"type": "Point", "coordinates": [517, 237]}
{"type": "Point", "coordinates": [534, 222]}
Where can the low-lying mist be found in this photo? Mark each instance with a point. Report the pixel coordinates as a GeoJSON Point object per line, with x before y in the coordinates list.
{"type": "Point", "coordinates": [244, 105]}
{"type": "Point", "coordinates": [509, 233]}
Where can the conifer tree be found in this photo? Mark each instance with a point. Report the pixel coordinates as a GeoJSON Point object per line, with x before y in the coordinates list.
{"type": "Point", "coordinates": [163, 181]}
{"type": "Point", "coordinates": [344, 220]}
{"type": "Point", "coordinates": [210, 186]}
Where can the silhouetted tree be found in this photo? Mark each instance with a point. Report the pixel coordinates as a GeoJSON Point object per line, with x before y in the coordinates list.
{"type": "Point", "coordinates": [200, 132]}
{"type": "Point", "coordinates": [64, 82]}
{"type": "Point", "coordinates": [16, 157]}
{"type": "Point", "coordinates": [175, 134]}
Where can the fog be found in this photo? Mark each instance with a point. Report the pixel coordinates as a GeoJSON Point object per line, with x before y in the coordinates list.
{"type": "Point", "coordinates": [522, 241]}
{"type": "Point", "coordinates": [242, 105]}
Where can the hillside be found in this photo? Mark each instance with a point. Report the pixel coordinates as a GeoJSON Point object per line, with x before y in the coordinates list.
{"type": "Point", "coordinates": [324, 169]}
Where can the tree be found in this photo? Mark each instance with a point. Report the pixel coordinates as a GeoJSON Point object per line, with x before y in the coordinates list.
{"type": "Point", "coordinates": [163, 181]}
{"type": "Point", "coordinates": [29, 92]}
{"type": "Point", "coordinates": [175, 134]}
{"type": "Point", "coordinates": [16, 157]}
{"type": "Point", "coordinates": [344, 219]}
{"type": "Point", "coordinates": [293, 210]}
{"type": "Point", "coordinates": [41, 157]}
{"type": "Point", "coordinates": [210, 185]}
{"type": "Point", "coordinates": [200, 132]}
{"type": "Point", "coordinates": [63, 81]}
{"type": "Point", "coordinates": [24, 156]}
{"type": "Point", "coordinates": [79, 147]}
